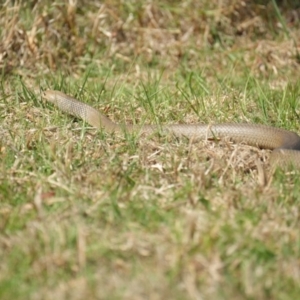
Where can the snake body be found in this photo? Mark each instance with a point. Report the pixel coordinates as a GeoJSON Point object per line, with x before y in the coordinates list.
{"type": "Point", "coordinates": [285, 144]}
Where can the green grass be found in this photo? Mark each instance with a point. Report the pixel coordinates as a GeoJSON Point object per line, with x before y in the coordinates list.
{"type": "Point", "coordinates": [89, 215]}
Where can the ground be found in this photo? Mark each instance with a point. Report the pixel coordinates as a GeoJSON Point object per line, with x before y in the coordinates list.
{"type": "Point", "coordinates": [90, 215]}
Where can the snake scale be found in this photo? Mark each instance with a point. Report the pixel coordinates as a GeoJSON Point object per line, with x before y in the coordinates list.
{"type": "Point", "coordinates": [285, 144]}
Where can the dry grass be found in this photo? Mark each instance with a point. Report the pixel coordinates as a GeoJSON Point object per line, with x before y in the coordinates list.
{"type": "Point", "coordinates": [88, 215]}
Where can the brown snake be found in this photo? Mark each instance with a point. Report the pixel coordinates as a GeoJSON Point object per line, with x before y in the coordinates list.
{"type": "Point", "coordinates": [285, 144]}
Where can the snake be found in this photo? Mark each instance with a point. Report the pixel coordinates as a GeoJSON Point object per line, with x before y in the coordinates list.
{"type": "Point", "coordinates": [285, 144]}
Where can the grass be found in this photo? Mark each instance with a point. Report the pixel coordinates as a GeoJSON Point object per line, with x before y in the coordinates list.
{"type": "Point", "coordinates": [85, 214]}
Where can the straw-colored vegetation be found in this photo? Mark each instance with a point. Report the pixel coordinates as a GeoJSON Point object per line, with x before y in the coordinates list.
{"type": "Point", "coordinates": [88, 215]}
